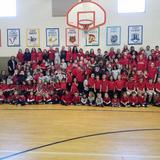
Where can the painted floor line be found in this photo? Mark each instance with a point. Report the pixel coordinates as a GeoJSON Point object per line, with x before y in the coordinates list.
{"type": "Point", "coordinates": [85, 154]}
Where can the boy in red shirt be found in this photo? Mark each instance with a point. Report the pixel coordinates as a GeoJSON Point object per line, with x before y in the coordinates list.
{"type": "Point", "coordinates": [130, 86]}
{"type": "Point", "coordinates": [66, 99]}
{"type": "Point", "coordinates": [150, 90]}
{"type": "Point", "coordinates": [22, 100]}
{"type": "Point", "coordinates": [47, 98]}
{"type": "Point", "coordinates": [142, 100]}
{"type": "Point", "coordinates": [76, 99]}
{"type": "Point", "coordinates": [31, 98]}
{"type": "Point", "coordinates": [133, 100]}
{"type": "Point", "coordinates": [39, 98]}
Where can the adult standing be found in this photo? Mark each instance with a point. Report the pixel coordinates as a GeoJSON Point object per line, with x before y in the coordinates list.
{"type": "Point", "coordinates": [12, 63]}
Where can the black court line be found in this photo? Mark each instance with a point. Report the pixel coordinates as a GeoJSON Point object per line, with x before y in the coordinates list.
{"type": "Point", "coordinates": [78, 110]}
{"type": "Point", "coordinates": [76, 138]}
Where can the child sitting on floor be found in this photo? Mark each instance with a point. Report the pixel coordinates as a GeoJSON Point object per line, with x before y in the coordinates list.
{"type": "Point", "coordinates": [115, 101]}
{"type": "Point", "coordinates": [91, 98]}
{"type": "Point", "coordinates": [84, 99]}
{"type": "Point", "coordinates": [106, 100]}
{"type": "Point", "coordinates": [124, 100]}
{"type": "Point", "coordinates": [99, 100]}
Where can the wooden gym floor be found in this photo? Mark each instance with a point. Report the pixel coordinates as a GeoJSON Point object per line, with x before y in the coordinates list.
{"type": "Point", "coordinates": [56, 132]}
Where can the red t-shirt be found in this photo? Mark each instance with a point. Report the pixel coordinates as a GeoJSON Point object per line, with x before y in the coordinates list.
{"type": "Point", "coordinates": [106, 100]}
{"type": "Point", "coordinates": [124, 100]}
{"type": "Point", "coordinates": [39, 98]}
{"type": "Point", "coordinates": [141, 99]}
{"type": "Point", "coordinates": [80, 76]}
{"type": "Point", "coordinates": [33, 56]}
{"type": "Point", "coordinates": [150, 86]}
{"type": "Point", "coordinates": [111, 85]}
{"type": "Point", "coordinates": [63, 85]}
{"type": "Point", "coordinates": [115, 101]}
{"type": "Point", "coordinates": [130, 85]}
{"type": "Point", "coordinates": [20, 57]}
{"type": "Point", "coordinates": [120, 84]}
{"type": "Point", "coordinates": [51, 54]}
{"type": "Point", "coordinates": [91, 82]}
{"type": "Point", "coordinates": [31, 98]}
{"type": "Point", "coordinates": [104, 86]}
{"type": "Point", "coordinates": [2, 97]}
{"type": "Point", "coordinates": [97, 84]}
{"type": "Point", "coordinates": [152, 71]}
{"type": "Point", "coordinates": [133, 100]}
{"type": "Point", "coordinates": [67, 98]}
{"type": "Point", "coordinates": [76, 99]}
{"type": "Point", "coordinates": [74, 88]}
{"type": "Point", "coordinates": [157, 87]}
{"type": "Point", "coordinates": [39, 56]}
{"type": "Point", "coordinates": [140, 86]}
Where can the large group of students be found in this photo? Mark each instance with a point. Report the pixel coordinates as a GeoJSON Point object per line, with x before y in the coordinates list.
{"type": "Point", "coordinates": [126, 77]}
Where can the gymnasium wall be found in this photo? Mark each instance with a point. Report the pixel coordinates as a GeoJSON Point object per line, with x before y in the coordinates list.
{"type": "Point", "coordinates": [38, 14]}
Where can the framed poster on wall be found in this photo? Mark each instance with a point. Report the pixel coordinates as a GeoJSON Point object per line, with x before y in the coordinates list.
{"type": "Point", "coordinates": [33, 37]}
{"type": "Point", "coordinates": [72, 37]}
{"type": "Point", "coordinates": [52, 37]}
{"type": "Point", "coordinates": [113, 36]}
{"type": "Point", "coordinates": [13, 37]}
{"type": "Point", "coordinates": [92, 37]}
{"type": "Point", "coordinates": [135, 35]}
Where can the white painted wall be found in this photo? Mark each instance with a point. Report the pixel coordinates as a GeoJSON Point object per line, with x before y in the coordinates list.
{"type": "Point", "coordinates": [38, 14]}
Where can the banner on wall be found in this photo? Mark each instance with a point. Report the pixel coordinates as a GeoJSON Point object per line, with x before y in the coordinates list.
{"type": "Point", "coordinates": [13, 37]}
{"type": "Point", "coordinates": [113, 36]}
{"type": "Point", "coordinates": [33, 37]}
{"type": "Point", "coordinates": [92, 37]}
{"type": "Point", "coordinates": [52, 37]}
{"type": "Point", "coordinates": [135, 35]}
{"type": "Point", "coordinates": [72, 37]}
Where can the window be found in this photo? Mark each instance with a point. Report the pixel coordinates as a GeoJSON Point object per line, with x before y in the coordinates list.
{"type": "Point", "coordinates": [131, 6]}
{"type": "Point", "coordinates": [7, 8]}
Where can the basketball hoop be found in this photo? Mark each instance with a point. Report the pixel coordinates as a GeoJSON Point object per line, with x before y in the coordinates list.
{"type": "Point", "coordinates": [85, 23]}
{"type": "Point", "coordinates": [86, 15]}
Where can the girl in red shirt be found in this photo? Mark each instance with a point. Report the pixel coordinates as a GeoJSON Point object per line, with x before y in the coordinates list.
{"type": "Point", "coordinates": [124, 100]}
{"type": "Point", "coordinates": [97, 84]}
{"type": "Point", "coordinates": [106, 100]}
{"type": "Point", "coordinates": [91, 82]}
{"type": "Point", "coordinates": [142, 100]}
{"type": "Point", "coordinates": [115, 101]}
{"type": "Point", "coordinates": [111, 87]}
